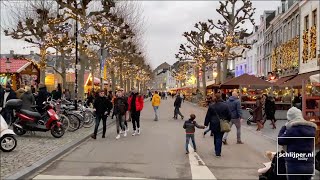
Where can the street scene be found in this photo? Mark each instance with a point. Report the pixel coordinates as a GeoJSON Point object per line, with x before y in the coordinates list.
{"type": "Point", "coordinates": [105, 89]}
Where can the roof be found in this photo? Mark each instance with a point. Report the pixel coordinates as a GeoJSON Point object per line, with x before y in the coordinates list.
{"type": "Point", "coordinates": [16, 65]}
{"type": "Point", "coordinates": [283, 80]}
{"type": "Point", "coordinates": [247, 81]}
{"type": "Point", "coordinates": [297, 81]}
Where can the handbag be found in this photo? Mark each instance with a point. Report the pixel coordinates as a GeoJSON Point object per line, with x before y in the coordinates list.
{"type": "Point", "coordinates": [224, 124]}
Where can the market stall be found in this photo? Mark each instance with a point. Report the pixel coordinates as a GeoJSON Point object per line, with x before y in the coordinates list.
{"type": "Point", "coordinates": [18, 72]}
{"type": "Point", "coordinates": [311, 101]}
{"type": "Point", "coordinates": [249, 87]}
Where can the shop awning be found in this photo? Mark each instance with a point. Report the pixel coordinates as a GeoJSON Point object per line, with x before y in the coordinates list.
{"type": "Point", "coordinates": [283, 80]}
{"type": "Point", "coordinates": [246, 80]}
{"type": "Point", "coordinates": [297, 81]}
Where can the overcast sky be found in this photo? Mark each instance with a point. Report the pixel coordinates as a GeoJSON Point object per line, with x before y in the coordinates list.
{"type": "Point", "coordinates": [165, 23]}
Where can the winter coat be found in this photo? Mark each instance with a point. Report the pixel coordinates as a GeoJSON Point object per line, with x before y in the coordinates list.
{"type": "Point", "coordinates": [42, 97]}
{"type": "Point", "coordinates": [222, 110]}
{"type": "Point", "coordinates": [1, 96]}
{"type": "Point", "coordinates": [270, 108]}
{"type": "Point", "coordinates": [27, 101]}
{"type": "Point", "coordinates": [190, 125]}
{"type": "Point", "coordinates": [102, 105]}
{"type": "Point", "coordinates": [19, 92]}
{"type": "Point", "coordinates": [235, 107]}
{"type": "Point", "coordinates": [177, 102]}
{"type": "Point", "coordinates": [117, 103]}
{"type": "Point", "coordinates": [258, 111]}
{"type": "Point", "coordinates": [138, 102]}
{"type": "Point", "coordinates": [56, 94]}
{"type": "Point", "coordinates": [12, 95]}
{"type": "Point", "coordinates": [298, 127]}
{"type": "Point", "coordinates": [156, 100]}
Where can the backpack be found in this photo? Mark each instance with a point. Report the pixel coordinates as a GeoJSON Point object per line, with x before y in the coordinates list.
{"type": "Point", "coordinates": [121, 106]}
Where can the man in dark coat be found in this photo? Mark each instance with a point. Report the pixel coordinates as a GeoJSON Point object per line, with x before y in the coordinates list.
{"type": "Point", "coordinates": [8, 94]}
{"type": "Point", "coordinates": [41, 97]}
{"type": "Point", "coordinates": [177, 105]}
{"type": "Point", "coordinates": [218, 110]}
{"type": "Point", "coordinates": [299, 128]}
{"type": "Point", "coordinates": [102, 106]}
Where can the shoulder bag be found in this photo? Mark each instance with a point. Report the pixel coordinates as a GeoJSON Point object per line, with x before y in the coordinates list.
{"type": "Point", "coordinates": [224, 124]}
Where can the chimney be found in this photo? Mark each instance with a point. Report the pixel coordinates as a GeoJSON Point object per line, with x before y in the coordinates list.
{"type": "Point", "coordinates": [31, 52]}
{"type": "Point", "coordinates": [11, 52]}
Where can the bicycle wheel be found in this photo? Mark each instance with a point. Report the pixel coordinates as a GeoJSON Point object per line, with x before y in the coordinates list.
{"type": "Point", "coordinates": [74, 122]}
{"type": "Point", "coordinates": [65, 121]}
{"type": "Point", "coordinates": [88, 119]}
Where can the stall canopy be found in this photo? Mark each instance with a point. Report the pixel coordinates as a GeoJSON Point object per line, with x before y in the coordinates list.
{"type": "Point", "coordinates": [297, 81]}
{"type": "Point", "coordinates": [283, 80]}
{"type": "Point", "coordinates": [246, 80]}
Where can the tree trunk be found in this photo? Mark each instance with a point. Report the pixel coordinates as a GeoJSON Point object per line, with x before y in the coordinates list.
{"type": "Point", "coordinates": [138, 86]}
{"type": "Point", "coordinates": [81, 77]}
{"type": "Point", "coordinates": [225, 65]}
{"type": "Point", "coordinates": [63, 71]}
{"type": "Point", "coordinates": [113, 80]}
{"type": "Point", "coordinates": [218, 78]}
{"type": "Point", "coordinates": [132, 83]}
{"type": "Point", "coordinates": [197, 77]}
{"type": "Point", "coordinates": [42, 65]}
{"type": "Point", "coordinates": [120, 74]}
{"type": "Point", "coordinates": [92, 76]}
{"type": "Point", "coordinates": [204, 86]}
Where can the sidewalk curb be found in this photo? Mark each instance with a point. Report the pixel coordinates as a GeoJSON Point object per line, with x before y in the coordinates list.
{"type": "Point", "coordinates": [28, 171]}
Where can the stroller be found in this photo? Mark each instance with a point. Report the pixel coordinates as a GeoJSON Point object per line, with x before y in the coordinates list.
{"type": "Point", "coordinates": [250, 118]}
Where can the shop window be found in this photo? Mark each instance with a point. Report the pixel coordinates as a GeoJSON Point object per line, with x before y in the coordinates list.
{"type": "Point", "coordinates": [314, 17]}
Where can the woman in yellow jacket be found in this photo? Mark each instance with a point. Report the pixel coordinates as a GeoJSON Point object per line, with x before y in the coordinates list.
{"type": "Point", "coordinates": [156, 103]}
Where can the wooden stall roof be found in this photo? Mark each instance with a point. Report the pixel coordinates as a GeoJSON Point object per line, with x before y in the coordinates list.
{"type": "Point", "coordinates": [16, 65]}
{"type": "Point", "coordinates": [246, 80]}
{"type": "Point", "coordinates": [296, 82]}
{"type": "Point", "coordinates": [283, 80]}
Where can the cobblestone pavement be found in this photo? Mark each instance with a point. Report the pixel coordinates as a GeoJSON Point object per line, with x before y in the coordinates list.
{"type": "Point", "coordinates": [33, 147]}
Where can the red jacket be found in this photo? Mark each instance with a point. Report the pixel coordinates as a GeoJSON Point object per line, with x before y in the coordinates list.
{"type": "Point", "coordinates": [139, 103]}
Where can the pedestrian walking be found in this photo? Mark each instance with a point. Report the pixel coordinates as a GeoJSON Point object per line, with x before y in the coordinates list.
{"type": "Point", "coordinates": [270, 110]}
{"type": "Point", "coordinates": [236, 117]}
{"type": "Point", "coordinates": [155, 104]}
{"type": "Point", "coordinates": [120, 109]}
{"type": "Point", "coordinates": [177, 106]}
{"type": "Point", "coordinates": [102, 106]}
{"type": "Point", "coordinates": [258, 116]}
{"type": "Point", "coordinates": [189, 126]}
{"type": "Point", "coordinates": [28, 99]}
{"type": "Point", "coordinates": [135, 102]}
{"type": "Point", "coordinates": [67, 95]}
{"type": "Point", "coordinates": [41, 97]}
{"type": "Point", "coordinates": [216, 112]}
{"type": "Point", "coordinates": [298, 127]}
{"type": "Point", "coordinates": [57, 93]}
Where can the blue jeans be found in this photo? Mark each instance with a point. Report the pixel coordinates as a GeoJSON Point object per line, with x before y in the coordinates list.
{"type": "Point", "coordinates": [218, 142]}
{"type": "Point", "coordinates": [155, 108]}
{"type": "Point", "coordinates": [188, 137]}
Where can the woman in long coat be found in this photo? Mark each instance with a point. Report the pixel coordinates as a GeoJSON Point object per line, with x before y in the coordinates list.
{"type": "Point", "coordinates": [270, 110]}
{"type": "Point", "coordinates": [258, 116]}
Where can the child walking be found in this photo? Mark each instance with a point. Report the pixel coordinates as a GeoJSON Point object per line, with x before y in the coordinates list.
{"type": "Point", "coordinates": [189, 126]}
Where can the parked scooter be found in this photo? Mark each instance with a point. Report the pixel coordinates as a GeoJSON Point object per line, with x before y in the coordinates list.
{"type": "Point", "coordinates": [7, 140]}
{"type": "Point", "coordinates": [25, 120]}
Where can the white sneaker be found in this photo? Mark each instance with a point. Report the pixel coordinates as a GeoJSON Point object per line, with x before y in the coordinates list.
{"type": "Point", "coordinates": [118, 136]}
{"type": "Point", "coordinates": [138, 131]}
{"type": "Point", "coordinates": [125, 134]}
{"type": "Point", "coordinates": [134, 133]}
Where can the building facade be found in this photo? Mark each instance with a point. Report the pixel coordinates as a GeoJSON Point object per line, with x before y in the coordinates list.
{"type": "Point", "coordinates": [309, 39]}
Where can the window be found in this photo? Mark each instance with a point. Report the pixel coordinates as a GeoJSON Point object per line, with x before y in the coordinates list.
{"type": "Point", "coordinates": [306, 22]}
{"type": "Point", "coordinates": [285, 33]}
{"type": "Point", "coordinates": [294, 21]}
{"type": "Point", "coordinates": [289, 30]}
{"type": "Point", "coordinates": [314, 17]}
{"type": "Point", "coordinates": [298, 24]}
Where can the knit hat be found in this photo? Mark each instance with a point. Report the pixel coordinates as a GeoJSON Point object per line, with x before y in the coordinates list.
{"type": "Point", "coordinates": [294, 114]}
